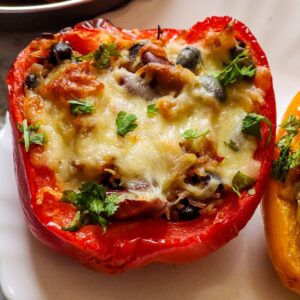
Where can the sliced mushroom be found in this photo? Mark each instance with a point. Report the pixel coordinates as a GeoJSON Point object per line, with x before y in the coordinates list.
{"type": "Point", "coordinates": [149, 57]}
{"type": "Point", "coordinates": [152, 53]}
{"type": "Point", "coordinates": [134, 50]}
{"type": "Point", "coordinates": [137, 86]}
{"type": "Point", "coordinates": [167, 78]}
{"type": "Point", "coordinates": [155, 49]}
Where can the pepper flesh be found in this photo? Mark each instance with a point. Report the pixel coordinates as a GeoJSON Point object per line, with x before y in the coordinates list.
{"type": "Point", "coordinates": [281, 227]}
{"type": "Point", "coordinates": [132, 244]}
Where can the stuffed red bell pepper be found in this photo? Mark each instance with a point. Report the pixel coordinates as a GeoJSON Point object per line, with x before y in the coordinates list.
{"type": "Point", "coordinates": [146, 146]}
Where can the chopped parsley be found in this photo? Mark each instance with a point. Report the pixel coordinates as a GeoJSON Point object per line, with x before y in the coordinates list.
{"type": "Point", "coordinates": [93, 204]}
{"type": "Point", "coordinates": [238, 69]}
{"type": "Point", "coordinates": [251, 125]}
{"type": "Point", "coordinates": [151, 110]}
{"type": "Point", "coordinates": [190, 134]}
{"type": "Point", "coordinates": [125, 123]}
{"type": "Point", "coordinates": [287, 159]}
{"type": "Point", "coordinates": [101, 56]}
{"type": "Point", "coordinates": [81, 107]}
{"type": "Point", "coordinates": [29, 134]}
{"type": "Point", "coordinates": [89, 56]}
{"type": "Point", "coordinates": [232, 145]}
{"type": "Point", "coordinates": [241, 182]}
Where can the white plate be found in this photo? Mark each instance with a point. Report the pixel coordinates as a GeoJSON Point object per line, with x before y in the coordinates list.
{"type": "Point", "coordinates": [240, 270]}
{"type": "Point", "coordinates": [39, 8]}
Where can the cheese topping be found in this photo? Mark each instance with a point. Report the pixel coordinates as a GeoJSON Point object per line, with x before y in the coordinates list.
{"type": "Point", "coordinates": [154, 160]}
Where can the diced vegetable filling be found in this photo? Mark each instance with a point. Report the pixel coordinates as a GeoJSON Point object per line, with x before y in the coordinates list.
{"type": "Point", "coordinates": [171, 125]}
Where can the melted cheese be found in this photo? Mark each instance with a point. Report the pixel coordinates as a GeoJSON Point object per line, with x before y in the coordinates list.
{"type": "Point", "coordinates": [80, 148]}
{"type": "Point", "coordinates": [229, 128]}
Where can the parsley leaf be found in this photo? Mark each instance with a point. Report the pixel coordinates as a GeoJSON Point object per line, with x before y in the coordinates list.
{"type": "Point", "coordinates": [287, 159]}
{"type": "Point", "coordinates": [240, 182]}
{"type": "Point", "coordinates": [29, 134]}
{"type": "Point", "coordinates": [232, 145]}
{"type": "Point", "coordinates": [151, 110]}
{"type": "Point", "coordinates": [193, 134]}
{"type": "Point", "coordinates": [237, 70]}
{"type": "Point", "coordinates": [125, 123]}
{"type": "Point", "coordinates": [89, 56]}
{"type": "Point", "coordinates": [76, 223]}
{"type": "Point", "coordinates": [94, 206]}
{"type": "Point", "coordinates": [291, 125]}
{"type": "Point", "coordinates": [37, 138]}
{"type": "Point", "coordinates": [101, 56]}
{"type": "Point", "coordinates": [70, 197]}
{"type": "Point", "coordinates": [81, 107]}
{"type": "Point", "coordinates": [26, 133]}
{"type": "Point", "coordinates": [111, 204]}
{"type": "Point", "coordinates": [294, 159]}
{"type": "Point", "coordinates": [251, 125]}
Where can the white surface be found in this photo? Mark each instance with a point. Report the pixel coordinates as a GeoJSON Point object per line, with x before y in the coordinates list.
{"type": "Point", "coordinates": [240, 270]}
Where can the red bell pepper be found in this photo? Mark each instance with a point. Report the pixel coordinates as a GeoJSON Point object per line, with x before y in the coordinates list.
{"type": "Point", "coordinates": [132, 244]}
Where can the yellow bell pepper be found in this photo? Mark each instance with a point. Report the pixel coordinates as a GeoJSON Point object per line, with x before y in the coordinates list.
{"type": "Point", "coordinates": [280, 218]}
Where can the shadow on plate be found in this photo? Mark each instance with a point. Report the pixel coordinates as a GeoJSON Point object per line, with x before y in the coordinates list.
{"type": "Point", "coordinates": [61, 277]}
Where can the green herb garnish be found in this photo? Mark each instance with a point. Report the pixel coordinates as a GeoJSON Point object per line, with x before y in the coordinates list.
{"type": "Point", "coordinates": [251, 125]}
{"type": "Point", "coordinates": [190, 134]}
{"type": "Point", "coordinates": [29, 134]}
{"type": "Point", "coordinates": [101, 56]}
{"type": "Point", "coordinates": [93, 204]}
{"type": "Point", "coordinates": [104, 53]}
{"type": "Point", "coordinates": [287, 159]}
{"type": "Point", "coordinates": [241, 182]}
{"type": "Point", "coordinates": [151, 110]}
{"type": "Point", "coordinates": [89, 56]}
{"type": "Point", "coordinates": [81, 107]}
{"type": "Point", "coordinates": [125, 123]}
{"type": "Point", "coordinates": [237, 70]}
{"type": "Point", "coordinates": [232, 145]}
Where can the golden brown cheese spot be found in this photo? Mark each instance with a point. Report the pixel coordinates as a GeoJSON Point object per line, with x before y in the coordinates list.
{"type": "Point", "coordinates": [175, 108]}
{"type": "Point", "coordinates": [263, 78]}
{"type": "Point", "coordinates": [246, 95]}
{"type": "Point", "coordinates": [166, 107]}
{"type": "Point", "coordinates": [201, 147]}
{"type": "Point", "coordinates": [220, 43]}
{"type": "Point", "coordinates": [37, 157]}
{"type": "Point", "coordinates": [153, 48]}
{"type": "Point", "coordinates": [40, 47]}
{"type": "Point", "coordinates": [74, 81]}
{"type": "Point", "coordinates": [169, 78]}
{"type": "Point", "coordinates": [33, 104]}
